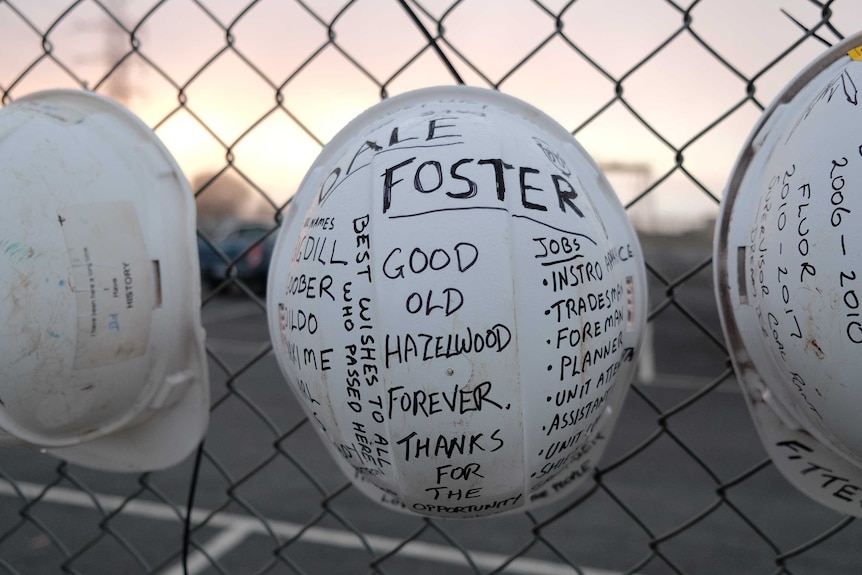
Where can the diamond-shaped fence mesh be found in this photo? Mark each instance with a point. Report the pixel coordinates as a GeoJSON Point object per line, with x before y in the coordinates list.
{"type": "Point", "coordinates": [662, 93]}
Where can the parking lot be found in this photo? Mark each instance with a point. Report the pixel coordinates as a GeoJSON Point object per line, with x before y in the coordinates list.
{"type": "Point", "coordinates": [684, 485]}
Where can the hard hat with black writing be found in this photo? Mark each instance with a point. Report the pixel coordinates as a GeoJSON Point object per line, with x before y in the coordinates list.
{"type": "Point", "coordinates": [788, 263]}
{"type": "Point", "coordinates": [101, 347]}
{"type": "Point", "coordinates": [457, 298]}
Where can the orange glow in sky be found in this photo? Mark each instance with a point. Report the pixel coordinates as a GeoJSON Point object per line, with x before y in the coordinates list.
{"type": "Point", "coordinates": [230, 110]}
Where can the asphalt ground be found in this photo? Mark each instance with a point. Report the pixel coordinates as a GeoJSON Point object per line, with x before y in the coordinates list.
{"type": "Point", "coordinates": [684, 487]}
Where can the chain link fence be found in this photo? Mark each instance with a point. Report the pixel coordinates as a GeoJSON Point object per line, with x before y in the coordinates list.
{"type": "Point", "coordinates": [662, 93]}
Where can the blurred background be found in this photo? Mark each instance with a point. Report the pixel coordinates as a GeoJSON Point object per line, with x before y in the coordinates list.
{"type": "Point", "coordinates": [662, 94]}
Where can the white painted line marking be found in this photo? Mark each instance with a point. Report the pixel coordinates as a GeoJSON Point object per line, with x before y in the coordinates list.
{"type": "Point", "coordinates": [236, 528]}
{"type": "Point", "coordinates": [227, 539]}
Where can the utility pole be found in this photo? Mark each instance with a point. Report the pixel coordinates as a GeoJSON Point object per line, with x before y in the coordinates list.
{"type": "Point", "coordinates": [115, 47]}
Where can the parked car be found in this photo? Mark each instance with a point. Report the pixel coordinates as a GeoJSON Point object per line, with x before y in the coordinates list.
{"type": "Point", "coordinates": [244, 253]}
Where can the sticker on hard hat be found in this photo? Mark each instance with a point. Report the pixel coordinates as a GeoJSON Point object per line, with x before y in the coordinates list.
{"type": "Point", "coordinates": [113, 281]}
{"type": "Point", "coordinates": [855, 53]}
{"type": "Point", "coordinates": [455, 312]}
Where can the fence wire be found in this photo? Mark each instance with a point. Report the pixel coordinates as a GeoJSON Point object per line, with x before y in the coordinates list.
{"type": "Point", "coordinates": [661, 93]}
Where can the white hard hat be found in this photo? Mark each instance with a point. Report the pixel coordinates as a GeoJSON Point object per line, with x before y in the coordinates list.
{"type": "Point", "coordinates": [101, 345]}
{"type": "Point", "coordinates": [788, 263]}
{"type": "Point", "coordinates": [458, 298]}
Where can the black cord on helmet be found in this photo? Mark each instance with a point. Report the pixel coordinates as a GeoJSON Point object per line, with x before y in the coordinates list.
{"type": "Point", "coordinates": [190, 505]}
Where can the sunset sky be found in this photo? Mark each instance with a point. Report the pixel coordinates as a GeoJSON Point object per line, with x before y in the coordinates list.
{"type": "Point", "coordinates": [679, 92]}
